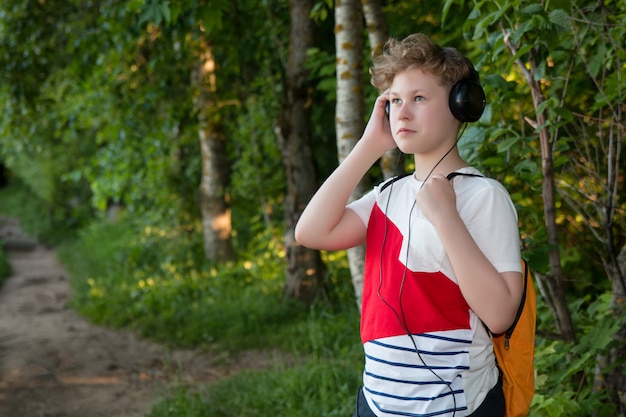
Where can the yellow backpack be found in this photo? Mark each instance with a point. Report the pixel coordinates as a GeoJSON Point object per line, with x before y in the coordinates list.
{"type": "Point", "coordinates": [515, 352]}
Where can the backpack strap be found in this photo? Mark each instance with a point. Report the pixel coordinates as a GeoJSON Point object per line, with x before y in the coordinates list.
{"type": "Point", "coordinates": [392, 180]}
{"type": "Point", "coordinates": [509, 332]}
{"type": "Point", "coordinates": [451, 175]}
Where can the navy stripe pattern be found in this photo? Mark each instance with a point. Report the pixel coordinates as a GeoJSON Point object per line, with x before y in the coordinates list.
{"type": "Point", "coordinates": [400, 381]}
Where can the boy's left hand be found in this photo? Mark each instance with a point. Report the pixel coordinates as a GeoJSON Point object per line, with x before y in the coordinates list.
{"type": "Point", "coordinates": [437, 199]}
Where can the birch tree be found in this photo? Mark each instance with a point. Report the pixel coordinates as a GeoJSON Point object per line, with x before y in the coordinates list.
{"type": "Point", "coordinates": [214, 206]}
{"type": "Point", "coordinates": [350, 108]}
{"type": "Point", "coordinates": [377, 32]}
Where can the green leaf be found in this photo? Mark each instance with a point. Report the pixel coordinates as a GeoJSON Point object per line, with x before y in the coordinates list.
{"type": "Point", "coordinates": [561, 160]}
{"type": "Point", "coordinates": [560, 18]}
{"type": "Point", "coordinates": [522, 51]}
{"type": "Point", "coordinates": [596, 63]}
{"type": "Point", "coordinates": [525, 166]}
{"type": "Point", "coordinates": [211, 15]}
{"type": "Point", "coordinates": [493, 162]}
{"type": "Point", "coordinates": [155, 12]}
{"type": "Point", "coordinates": [532, 9]}
{"type": "Point", "coordinates": [550, 102]}
{"type": "Point", "coordinates": [506, 144]}
{"type": "Point", "coordinates": [445, 10]}
{"type": "Point", "coordinates": [497, 82]}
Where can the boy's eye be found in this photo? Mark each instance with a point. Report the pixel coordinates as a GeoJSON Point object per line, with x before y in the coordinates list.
{"type": "Point", "coordinates": [395, 100]}
{"type": "Point", "coordinates": [419, 98]}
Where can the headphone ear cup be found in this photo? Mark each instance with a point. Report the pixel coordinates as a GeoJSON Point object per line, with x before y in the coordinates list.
{"type": "Point", "coordinates": [467, 100]}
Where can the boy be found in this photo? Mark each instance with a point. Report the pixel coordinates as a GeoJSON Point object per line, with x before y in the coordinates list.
{"type": "Point", "coordinates": [442, 254]}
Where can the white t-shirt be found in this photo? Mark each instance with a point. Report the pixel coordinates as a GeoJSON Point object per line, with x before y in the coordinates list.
{"type": "Point", "coordinates": [455, 367]}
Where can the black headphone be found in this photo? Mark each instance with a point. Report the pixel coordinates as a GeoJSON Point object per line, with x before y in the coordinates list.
{"type": "Point", "coordinates": [467, 97]}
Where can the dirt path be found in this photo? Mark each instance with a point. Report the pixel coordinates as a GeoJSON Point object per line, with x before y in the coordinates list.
{"type": "Point", "coordinates": [54, 363]}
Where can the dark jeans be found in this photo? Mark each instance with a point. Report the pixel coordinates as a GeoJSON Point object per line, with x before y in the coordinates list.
{"type": "Point", "coordinates": [492, 406]}
{"type": "Point", "coordinates": [362, 409]}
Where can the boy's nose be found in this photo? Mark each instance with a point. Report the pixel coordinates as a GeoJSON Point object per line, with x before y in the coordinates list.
{"type": "Point", "coordinates": [403, 111]}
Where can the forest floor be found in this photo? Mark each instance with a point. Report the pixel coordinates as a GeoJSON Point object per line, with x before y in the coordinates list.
{"type": "Point", "coordinates": [54, 363]}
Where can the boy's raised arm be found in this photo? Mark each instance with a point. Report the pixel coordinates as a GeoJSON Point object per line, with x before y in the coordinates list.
{"type": "Point", "coordinates": [326, 223]}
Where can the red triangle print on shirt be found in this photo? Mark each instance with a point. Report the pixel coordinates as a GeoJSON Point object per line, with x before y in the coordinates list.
{"type": "Point", "coordinates": [431, 301]}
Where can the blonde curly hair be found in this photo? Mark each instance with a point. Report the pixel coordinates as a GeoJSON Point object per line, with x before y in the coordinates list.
{"type": "Point", "coordinates": [418, 51]}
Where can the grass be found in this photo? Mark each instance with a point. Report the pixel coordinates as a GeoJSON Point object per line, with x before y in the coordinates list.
{"type": "Point", "coordinates": [152, 281]}
{"type": "Point", "coordinates": [313, 389]}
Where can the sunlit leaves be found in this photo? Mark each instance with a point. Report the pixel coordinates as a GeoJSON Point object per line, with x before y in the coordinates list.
{"type": "Point", "coordinates": [155, 12]}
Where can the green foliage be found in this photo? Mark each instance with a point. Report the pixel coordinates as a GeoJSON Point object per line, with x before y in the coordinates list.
{"type": "Point", "coordinates": [156, 12]}
{"type": "Point", "coordinates": [564, 55]}
{"type": "Point", "coordinates": [153, 279]}
{"type": "Point", "coordinates": [565, 387]}
{"type": "Point", "coordinates": [37, 217]}
{"type": "Point", "coordinates": [257, 182]}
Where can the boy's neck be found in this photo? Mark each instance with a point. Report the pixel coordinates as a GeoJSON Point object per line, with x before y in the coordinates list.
{"type": "Point", "coordinates": [424, 164]}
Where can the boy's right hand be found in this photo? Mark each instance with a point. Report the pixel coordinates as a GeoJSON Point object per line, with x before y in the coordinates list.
{"type": "Point", "coordinates": [377, 134]}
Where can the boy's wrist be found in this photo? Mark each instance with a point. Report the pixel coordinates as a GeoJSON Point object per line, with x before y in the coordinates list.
{"type": "Point", "coordinates": [369, 148]}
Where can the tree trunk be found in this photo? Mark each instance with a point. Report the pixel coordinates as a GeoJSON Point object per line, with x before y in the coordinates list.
{"type": "Point", "coordinates": [391, 162]}
{"type": "Point", "coordinates": [376, 24]}
{"type": "Point", "coordinates": [305, 269]}
{"type": "Point", "coordinates": [350, 109]}
{"type": "Point", "coordinates": [214, 204]}
{"type": "Point", "coordinates": [554, 282]}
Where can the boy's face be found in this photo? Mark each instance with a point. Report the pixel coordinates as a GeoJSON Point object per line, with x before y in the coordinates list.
{"type": "Point", "coordinates": [419, 114]}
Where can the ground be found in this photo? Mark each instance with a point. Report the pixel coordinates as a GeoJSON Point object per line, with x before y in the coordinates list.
{"type": "Point", "coordinates": [54, 363]}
